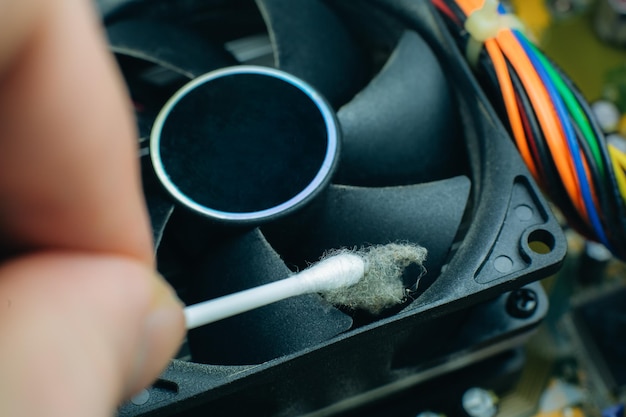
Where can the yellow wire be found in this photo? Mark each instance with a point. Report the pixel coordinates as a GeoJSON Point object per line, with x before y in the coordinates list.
{"type": "Point", "coordinates": [618, 155]}
{"type": "Point", "coordinates": [618, 159]}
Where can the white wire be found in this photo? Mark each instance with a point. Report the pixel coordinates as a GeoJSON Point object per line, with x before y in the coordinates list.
{"type": "Point", "coordinates": [335, 272]}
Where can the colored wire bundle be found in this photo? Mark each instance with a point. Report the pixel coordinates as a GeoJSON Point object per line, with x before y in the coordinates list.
{"type": "Point", "coordinates": [551, 123]}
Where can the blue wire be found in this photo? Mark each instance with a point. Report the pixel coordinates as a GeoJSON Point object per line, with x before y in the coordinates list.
{"type": "Point", "coordinates": [569, 133]}
{"type": "Point", "coordinates": [570, 137]}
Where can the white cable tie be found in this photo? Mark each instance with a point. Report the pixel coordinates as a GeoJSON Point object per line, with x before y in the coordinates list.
{"type": "Point", "coordinates": [484, 24]}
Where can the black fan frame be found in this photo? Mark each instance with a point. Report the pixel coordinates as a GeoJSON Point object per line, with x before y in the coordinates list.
{"type": "Point", "coordinates": [365, 358]}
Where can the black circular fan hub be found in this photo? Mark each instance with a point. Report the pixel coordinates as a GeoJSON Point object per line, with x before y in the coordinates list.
{"type": "Point", "coordinates": [245, 144]}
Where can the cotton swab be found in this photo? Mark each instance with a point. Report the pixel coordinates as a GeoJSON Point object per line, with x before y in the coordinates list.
{"type": "Point", "coordinates": [338, 271]}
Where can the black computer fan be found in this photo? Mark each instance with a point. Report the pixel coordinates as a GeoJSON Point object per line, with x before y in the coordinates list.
{"type": "Point", "coordinates": [423, 159]}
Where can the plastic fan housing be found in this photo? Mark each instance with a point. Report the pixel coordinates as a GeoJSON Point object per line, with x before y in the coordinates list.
{"type": "Point", "coordinates": [424, 159]}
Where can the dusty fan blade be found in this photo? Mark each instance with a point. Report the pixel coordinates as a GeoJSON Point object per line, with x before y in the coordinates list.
{"type": "Point", "coordinates": [288, 326]}
{"type": "Point", "coordinates": [427, 214]}
{"type": "Point", "coordinates": [310, 42]}
{"type": "Point", "coordinates": [402, 127]}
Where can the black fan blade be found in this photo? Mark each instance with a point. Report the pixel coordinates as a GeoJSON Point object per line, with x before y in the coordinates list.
{"type": "Point", "coordinates": [427, 214]}
{"type": "Point", "coordinates": [243, 262]}
{"type": "Point", "coordinates": [170, 47]}
{"type": "Point", "coordinates": [157, 59]}
{"type": "Point", "coordinates": [402, 128]}
{"type": "Point", "coordinates": [310, 42]}
{"type": "Point", "coordinates": [160, 209]}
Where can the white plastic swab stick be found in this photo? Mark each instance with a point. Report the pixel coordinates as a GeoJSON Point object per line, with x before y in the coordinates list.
{"type": "Point", "coordinates": [331, 273]}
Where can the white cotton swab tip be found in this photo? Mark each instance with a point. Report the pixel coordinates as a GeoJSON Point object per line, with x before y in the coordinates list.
{"type": "Point", "coordinates": [334, 272]}
{"type": "Point", "coordinates": [339, 271]}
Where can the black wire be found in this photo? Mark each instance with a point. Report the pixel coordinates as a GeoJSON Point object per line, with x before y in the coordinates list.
{"type": "Point", "coordinates": [488, 79]}
{"type": "Point", "coordinates": [539, 151]}
{"type": "Point", "coordinates": [611, 204]}
{"type": "Point", "coordinates": [610, 199]}
{"type": "Point", "coordinates": [542, 157]}
{"type": "Point", "coordinates": [453, 27]}
{"type": "Point", "coordinates": [594, 170]}
{"type": "Point", "coordinates": [457, 11]}
{"type": "Point", "coordinates": [553, 183]}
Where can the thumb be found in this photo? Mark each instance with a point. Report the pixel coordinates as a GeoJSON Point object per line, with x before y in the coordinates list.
{"type": "Point", "coordinates": [79, 333]}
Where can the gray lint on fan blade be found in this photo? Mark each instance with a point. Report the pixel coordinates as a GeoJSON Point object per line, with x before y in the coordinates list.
{"type": "Point", "coordinates": [382, 286]}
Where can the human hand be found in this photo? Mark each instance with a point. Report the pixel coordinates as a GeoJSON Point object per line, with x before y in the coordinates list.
{"type": "Point", "coordinates": [84, 322]}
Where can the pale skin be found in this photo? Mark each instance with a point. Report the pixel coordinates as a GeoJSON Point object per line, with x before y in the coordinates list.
{"type": "Point", "coordinates": [84, 321]}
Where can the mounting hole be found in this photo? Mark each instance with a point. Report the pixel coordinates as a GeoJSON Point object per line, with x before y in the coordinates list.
{"type": "Point", "coordinates": [541, 241]}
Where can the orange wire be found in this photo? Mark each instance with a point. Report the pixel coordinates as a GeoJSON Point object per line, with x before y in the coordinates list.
{"type": "Point", "coordinates": [508, 94]}
{"type": "Point", "coordinates": [546, 114]}
{"type": "Point", "coordinates": [548, 120]}
{"type": "Point", "coordinates": [468, 6]}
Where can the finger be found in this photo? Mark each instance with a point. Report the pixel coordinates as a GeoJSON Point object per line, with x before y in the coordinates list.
{"type": "Point", "coordinates": [81, 333]}
{"type": "Point", "coordinates": [68, 171]}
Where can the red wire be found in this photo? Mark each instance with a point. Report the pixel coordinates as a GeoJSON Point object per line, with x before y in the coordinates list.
{"type": "Point", "coordinates": [443, 8]}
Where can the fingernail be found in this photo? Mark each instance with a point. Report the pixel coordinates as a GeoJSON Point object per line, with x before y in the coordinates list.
{"type": "Point", "coordinates": [163, 332]}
